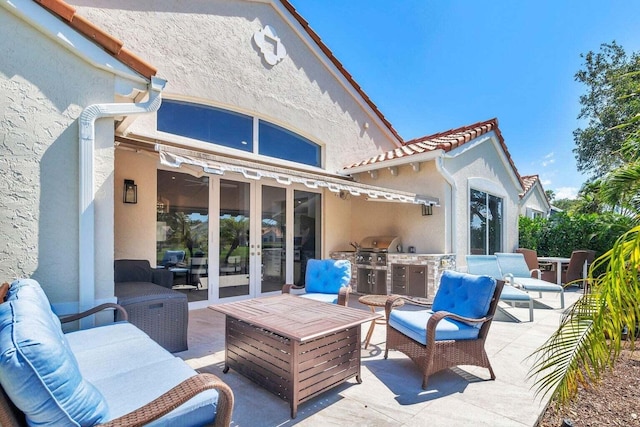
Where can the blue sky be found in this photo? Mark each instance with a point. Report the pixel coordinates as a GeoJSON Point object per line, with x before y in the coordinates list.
{"type": "Point", "coordinates": [433, 65]}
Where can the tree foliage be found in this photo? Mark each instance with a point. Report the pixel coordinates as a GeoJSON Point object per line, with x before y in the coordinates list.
{"type": "Point", "coordinates": [610, 79]}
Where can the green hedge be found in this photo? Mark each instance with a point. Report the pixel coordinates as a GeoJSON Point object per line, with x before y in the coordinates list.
{"type": "Point", "coordinates": [563, 233]}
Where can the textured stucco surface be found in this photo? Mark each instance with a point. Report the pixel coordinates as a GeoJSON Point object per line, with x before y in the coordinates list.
{"type": "Point", "coordinates": [44, 90]}
{"type": "Point", "coordinates": [206, 52]}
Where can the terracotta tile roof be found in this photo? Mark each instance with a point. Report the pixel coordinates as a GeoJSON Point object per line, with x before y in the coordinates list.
{"type": "Point", "coordinates": [339, 66]}
{"type": "Point", "coordinates": [447, 141]}
{"type": "Point", "coordinates": [112, 45]}
{"type": "Point", "coordinates": [528, 181]}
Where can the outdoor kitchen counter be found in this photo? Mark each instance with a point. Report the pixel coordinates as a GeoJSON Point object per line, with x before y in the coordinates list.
{"type": "Point", "coordinates": [435, 264]}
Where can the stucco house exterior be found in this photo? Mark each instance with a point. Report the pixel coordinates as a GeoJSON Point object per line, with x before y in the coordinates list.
{"type": "Point", "coordinates": [226, 129]}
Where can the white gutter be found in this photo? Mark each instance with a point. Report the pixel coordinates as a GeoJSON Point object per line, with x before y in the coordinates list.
{"type": "Point", "coordinates": [86, 244]}
{"type": "Point", "coordinates": [450, 216]}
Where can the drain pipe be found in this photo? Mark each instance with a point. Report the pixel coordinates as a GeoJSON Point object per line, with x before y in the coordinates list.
{"type": "Point", "coordinates": [454, 192]}
{"type": "Point", "coordinates": [86, 244]}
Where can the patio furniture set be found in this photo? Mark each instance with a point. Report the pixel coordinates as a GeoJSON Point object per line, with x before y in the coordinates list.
{"type": "Point", "coordinates": [296, 346]}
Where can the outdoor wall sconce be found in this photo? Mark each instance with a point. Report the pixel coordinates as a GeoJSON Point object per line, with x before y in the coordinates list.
{"type": "Point", "coordinates": [427, 210]}
{"type": "Point", "coordinates": [130, 194]}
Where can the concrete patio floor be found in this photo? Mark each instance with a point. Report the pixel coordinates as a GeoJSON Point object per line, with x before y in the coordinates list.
{"type": "Point", "coordinates": [391, 393]}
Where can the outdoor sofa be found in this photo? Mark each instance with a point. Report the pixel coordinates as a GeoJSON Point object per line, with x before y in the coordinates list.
{"type": "Point", "coordinates": [112, 375]}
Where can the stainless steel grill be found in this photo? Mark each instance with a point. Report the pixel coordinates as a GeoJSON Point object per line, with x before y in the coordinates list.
{"type": "Point", "coordinates": [371, 262]}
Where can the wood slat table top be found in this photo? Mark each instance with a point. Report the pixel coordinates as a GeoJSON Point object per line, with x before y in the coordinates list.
{"type": "Point", "coordinates": [295, 317]}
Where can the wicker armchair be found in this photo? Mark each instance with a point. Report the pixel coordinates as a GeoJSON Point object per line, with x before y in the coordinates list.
{"type": "Point", "coordinates": [326, 280]}
{"type": "Point", "coordinates": [453, 332]}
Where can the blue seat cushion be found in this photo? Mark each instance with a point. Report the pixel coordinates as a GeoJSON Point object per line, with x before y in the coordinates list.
{"type": "Point", "coordinates": [127, 391]}
{"type": "Point", "coordinates": [327, 276]}
{"type": "Point", "coordinates": [464, 294]}
{"type": "Point", "coordinates": [413, 323]}
{"type": "Point", "coordinates": [330, 298]}
{"type": "Point", "coordinates": [37, 368]}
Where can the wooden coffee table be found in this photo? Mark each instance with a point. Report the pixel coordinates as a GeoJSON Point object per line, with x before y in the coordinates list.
{"type": "Point", "coordinates": [294, 347]}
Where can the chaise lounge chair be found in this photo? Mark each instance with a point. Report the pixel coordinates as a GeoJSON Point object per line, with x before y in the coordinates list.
{"type": "Point", "coordinates": [514, 266]}
{"type": "Point", "coordinates": [488, 265]}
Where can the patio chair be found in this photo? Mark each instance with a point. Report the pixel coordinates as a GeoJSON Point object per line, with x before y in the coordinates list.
{"type": "Point", "coordinates": [575, 269]}
{"type": "Point", "coordinates": [453, 331]}
{"type": "Point", "coordinates": [488, 265]}
{"type": "Point", "coordinates": [326, 280]}
{"type": "Point", "coordinates": [174, 262]}
{"type": "Point", "coordinates": [538, 270]}
{"type": "Point", "coordinates": [514, 266]}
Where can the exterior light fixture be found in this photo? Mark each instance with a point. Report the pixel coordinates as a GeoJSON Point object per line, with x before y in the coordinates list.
{"type": "Point", "coordinates": [427, 210]}
{"type": "Point", "coordinates": [130, 193]}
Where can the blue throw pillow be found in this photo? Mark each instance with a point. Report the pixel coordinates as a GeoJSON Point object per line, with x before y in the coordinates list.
{"type": "Point", "coordinates": [38, 371]}
{"type": "Point", "coordinates": [464, 294]}
{"type": "Point", "coordinates": [327, 276]}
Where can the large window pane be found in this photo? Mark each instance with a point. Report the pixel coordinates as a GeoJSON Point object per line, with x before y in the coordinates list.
{"type": "Point", "coordinates": [495, 224]}
{"type": "Point", "coordinates": [206, 123]}
{"type": "Point", "coordinates": [182, 231]}
{"type": "Point", "coordinates": [478, 223]}
{"type": "Point", "coordinates": [486, 222]}
{"type": "Point", "coordinates": [275, 141]}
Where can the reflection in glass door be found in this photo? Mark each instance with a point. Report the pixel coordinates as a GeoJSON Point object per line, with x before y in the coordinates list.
{"type": "Point", "coordinates": [182, 231]}
{"type": "Point", "coordinates": [273, 237]}
{"type": "Point", "coordinates": [307, 232]}
{"type": "Point", "coordinates": [234, 223]}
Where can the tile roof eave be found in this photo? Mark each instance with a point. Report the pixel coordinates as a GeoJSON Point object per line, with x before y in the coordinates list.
{"type": "Point", "coordinates": [109, 43]}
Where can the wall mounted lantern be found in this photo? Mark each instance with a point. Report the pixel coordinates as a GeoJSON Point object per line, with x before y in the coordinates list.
{"type": "Point", "coordinates": [427, 210]}
{"type": "Point", "coordinates": [130, 194]}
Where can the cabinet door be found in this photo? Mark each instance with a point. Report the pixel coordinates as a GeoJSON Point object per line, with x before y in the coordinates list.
{"type": "Point", "coordinates": [399, 279]}
{"type": "Point", "coordinates": [417, 281]}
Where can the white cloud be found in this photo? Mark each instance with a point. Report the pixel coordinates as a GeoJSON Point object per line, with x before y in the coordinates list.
{"type": "Point", "coordinates": [548, 159]}
{"type": "Point", "coordinates": [566, 192]}
{"type": "Point", "coordinates": [546, 182]}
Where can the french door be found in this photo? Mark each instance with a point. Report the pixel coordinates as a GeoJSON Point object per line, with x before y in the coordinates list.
{"type": "Point", "coordinates": [241, 238]}
{"type": "Point", "coordinates": [266, 234]}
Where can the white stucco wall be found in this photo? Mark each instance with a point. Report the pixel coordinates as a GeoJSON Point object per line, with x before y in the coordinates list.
{"type": "Point", "coordinates": [534, 200]}
{"type": "Point", "coordinates": [43, 89]}
{"type": "Point", "coordinates": [426, 233]}
{"type": "Point", "coordinates": [135, 224]}
{"type": "Point", "coordinates": [481, 165]}
{"type": "Point", "coordinates": [206, 52]}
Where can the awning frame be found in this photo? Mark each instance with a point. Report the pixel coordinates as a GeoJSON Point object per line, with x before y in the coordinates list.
{"type": "Point", "coordinates": [217, 165]}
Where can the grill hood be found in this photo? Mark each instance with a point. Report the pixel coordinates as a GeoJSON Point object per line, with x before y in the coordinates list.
{"type": "Point", "coordinates": [380, 244]}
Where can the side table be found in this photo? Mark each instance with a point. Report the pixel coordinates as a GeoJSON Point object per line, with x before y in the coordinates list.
{"type": "Point", "coordinates": [374, 301]}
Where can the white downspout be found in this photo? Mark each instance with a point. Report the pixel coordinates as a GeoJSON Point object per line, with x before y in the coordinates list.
{"type": "Point", "coordinates": [452, 205]}
{"type": "Point", "coordinates": [86, 244]}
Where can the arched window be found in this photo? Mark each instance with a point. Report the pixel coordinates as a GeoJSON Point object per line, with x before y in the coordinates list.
{"type": "Point", "coordinates": [234, 130]}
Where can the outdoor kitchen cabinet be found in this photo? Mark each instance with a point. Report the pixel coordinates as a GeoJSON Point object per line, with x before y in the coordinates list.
{"type": "Point", "coordinates": [410, 280]}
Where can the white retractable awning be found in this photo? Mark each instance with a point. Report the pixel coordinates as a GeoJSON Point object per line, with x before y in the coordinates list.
{"type": "Point", "coordinates": [218, 165]}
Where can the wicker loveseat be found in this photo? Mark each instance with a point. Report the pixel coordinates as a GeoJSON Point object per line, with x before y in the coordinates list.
{"type": "Point", "coordinates": [108, 375]}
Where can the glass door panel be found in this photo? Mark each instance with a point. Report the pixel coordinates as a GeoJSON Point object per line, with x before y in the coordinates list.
{"type": "Point", "coordinates": [234, 223]}
{"type": "Point", "coordinates": [273, 237]}
{"type": "Point", "coordinates": [182, 231]}
{"type": "Point", "coordinates": [307, 232]}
